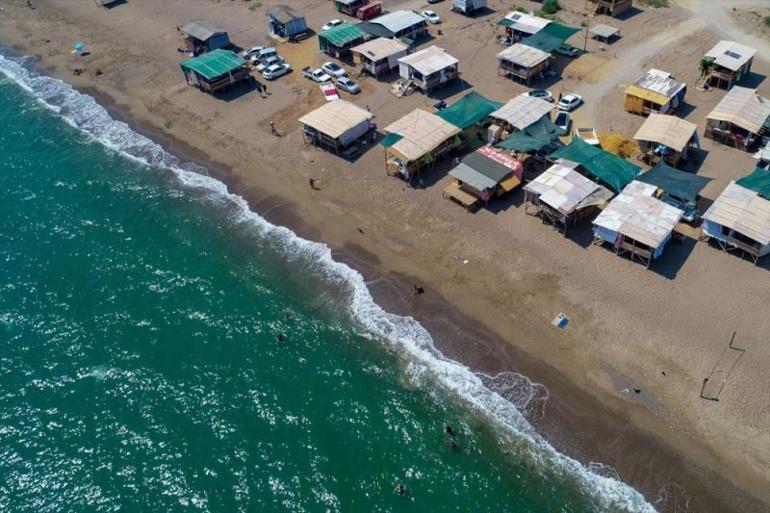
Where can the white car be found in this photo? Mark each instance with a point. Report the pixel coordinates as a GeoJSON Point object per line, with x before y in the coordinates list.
{"type": "Point", "coordinates": [316, 75]}
{"type": "Point", "coordinates": [270, 61]}
{"type": "Point", "coordinates": [348, 85]}
{"type": "Point", "coordinates": [276, 70]}
{"type": "Point", "coordinates": [331, 24]}
{"type": "Point", "coordinates": [432, 17]}
{"type": "Point", "coordinates": [570, 102]}
{"type": "Point", "coordinates": [254, 50]}
{"type": "Point", "coordinates": [567, 51]}
{"type": "Point", "coordinates": [334, 69]}
{"type": "Point", "coordinates": [263, 54]}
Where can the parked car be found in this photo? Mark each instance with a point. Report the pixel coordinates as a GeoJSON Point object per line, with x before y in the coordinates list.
{"type": "Point", "coordinates": [333, 69]}
{"type": "Point", "coordinates": [270, 61]}
{"type": "Point", "coordinates": [254, 50]}
{"type": "Point", "coordinates": [542, 94]}
{"type": "Point", "coordinates": [263, 54]}
{"type": "Point", "coordinates": [276, 70]}
{"type": "Point", "coordinates": [567, 50]}
{"type": "Point", "coordinates": [329, 91]}
{"type": "Point", "coordinates": [562, 122]}
{"type": "Point", "coordinates": [432, 17]}
{"type": "Point", "coordinates": [348, 85]}
{"type": "Point", "coordinates": [434, 1]}
{"type": "Point", "coordinates": [331, 24]}
{"type": "Point", "coordinates": [368, 11]}
{"type": "Point", "coordinates": [316, 75]}
{"type": "Point", "coordinates": [570, 102]}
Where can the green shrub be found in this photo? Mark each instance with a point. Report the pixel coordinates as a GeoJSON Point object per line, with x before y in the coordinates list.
{"type": "Point", "coordinates": [767, 21]}
{"type": "Point", "coordinates": [656, 3]}
{"type": "Point", "coordinates": [550, 7]}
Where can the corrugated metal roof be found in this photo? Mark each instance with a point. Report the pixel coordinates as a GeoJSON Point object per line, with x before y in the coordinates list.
{"type": "Point", "coordinates": [667, 130]}
{"type": "Point", "coordinates": [422, 132]}
{"type": "Point", "coordinates": [521, 111]}
{"type": "Point", "coordinates": [526, 23]}
{"type": "Point", "coordinates": [335, 118]}
{"type": "Point", "coordinates": [397, 21]}
{"type": "Point", "coordinates": [660, 82]}
{"type": "Point", "coordinates": [202, 30]}
{"type": "Point", "coordinates": [743, 107]}
{"type": "Point", "coordinates": [742, 210]}
{"type": "Point", "coordinates": [523, 55]}
{"type": "Point", "coordinates": [214, 64]}
{"type": "Point", "coordinates": [635, 213]}
{"type": "Point", "coordinates": [429, 61]}
{"type": "Point", "coordinates": [472, 177]}
{"type": "Point", "coordinates": [342, 34]}
{"type": "Point", "coordinates": [380, 48]}
{"type": "Point", "coordinates": [605, 31]}
{"type": "Point", "coordinates": [284, 13]}
{"type": "Point", "coordinates": [731, 55]}
{"type": "Point", "coordinates": [562, 188]}
{"type": "Point", "coordinates": [638, 92]}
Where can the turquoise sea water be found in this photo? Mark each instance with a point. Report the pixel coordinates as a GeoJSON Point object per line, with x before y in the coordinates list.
{"type": "Point", "coordinates": [164, 349]}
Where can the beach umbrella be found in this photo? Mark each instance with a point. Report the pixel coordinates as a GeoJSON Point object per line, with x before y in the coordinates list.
{"type": "Point", "coordinates": [79, 47]}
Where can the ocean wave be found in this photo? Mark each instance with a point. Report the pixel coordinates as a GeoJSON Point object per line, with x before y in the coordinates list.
{"type": "Point", "coordinates": [403, 334]}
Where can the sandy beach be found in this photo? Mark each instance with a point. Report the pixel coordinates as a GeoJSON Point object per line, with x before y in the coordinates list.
{"type": "Point", "coordinates": [494, 279]}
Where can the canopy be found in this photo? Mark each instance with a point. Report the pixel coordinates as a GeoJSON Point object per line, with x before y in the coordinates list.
{"type": "Point", "coordinates": [551, 37]}
{"type": "Point", "coordinates": [468, 110]}
{"type": "Point", "coordinates": [605, 31]}
{"type": "Point", "coordinates": [611, 169]}
{"type": "Point", "coordinates": [523, 55]}
{"type": "Point", "coordinates": [669, 131]}
{"type": "Point", "coordinates": [742, 210]}
{"type": "Point", "coordinates": [397, 21]}
{"type": "Point", "coordinates": [566, 190]}
{"type": "Point", "coordinates": [523, 110]}
{"type": "Point", "coordinates": [336, 118]}
{"type": "Point", "coordinates": [421, 132]}
{"type": "Point", "coordinates": [466, 174]}
{"type": "Point", "coordinates": [380, 48]}
{"type": "Point", "coordinates": [213, 64]}
{"type": "Point", "coordinates": [534, 137]}
{"type": "Point", "coordinates": [390, 139]}
{"type": "Point", "coordinates": [341, 35]}
{"type": "Point", "coordinates": [523, 22]}
{"type": "Point", "coordinates": [758, 181]}
{"type": "Point", "coordinates": [680, 184]}
{"type": "Point", "coordinates": [743, 107]}
{"type": "Point", "coordinates": [375, 29]}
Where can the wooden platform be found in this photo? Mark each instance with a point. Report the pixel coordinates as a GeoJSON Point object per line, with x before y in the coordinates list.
{"type": "Point", "coordinates": [453, 191]}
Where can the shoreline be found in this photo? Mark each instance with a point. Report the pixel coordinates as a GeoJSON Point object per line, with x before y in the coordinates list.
{"type": "Point", "coordinates": [607, 416]}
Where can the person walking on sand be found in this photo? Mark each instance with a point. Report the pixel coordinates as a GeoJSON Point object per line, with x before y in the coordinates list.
{"type": "Point", "coordinates": [272, 128]}
{"type": "Point", "coordinates": [312, 183]}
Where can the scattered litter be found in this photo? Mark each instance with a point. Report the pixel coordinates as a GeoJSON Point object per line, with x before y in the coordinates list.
{"type": "Point", "coordinates": [466, 261]}
{"type": "Point", "coordinates": [560, 321]}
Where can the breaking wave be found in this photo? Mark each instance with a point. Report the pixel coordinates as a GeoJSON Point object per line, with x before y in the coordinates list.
{"type": "Point", "coordinates": [504, 399]}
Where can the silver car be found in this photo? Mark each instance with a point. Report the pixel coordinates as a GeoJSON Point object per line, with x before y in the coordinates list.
{"type": "Point", "coordinates": [348, 85]}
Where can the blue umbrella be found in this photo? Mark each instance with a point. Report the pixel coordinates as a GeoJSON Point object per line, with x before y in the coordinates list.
{"type": "Point", "coordinates": [79, 47]}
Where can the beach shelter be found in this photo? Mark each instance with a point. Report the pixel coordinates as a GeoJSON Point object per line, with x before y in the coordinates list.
{"type": "Point", "coordinates": [729, 62]}
{"type": "Point", "coordinates": [655, 91]}
{"type": "Point", "coordinates": [637, 223]}
{"type": "Point", "coordinates": [739, 118]}
{"type": "Point", "coordinates": [523, 62]}
{"type": "Point", "coordinates": [336, 125]}
{"type": "Point", "coordinates": [520, 112]}
{"type": "Point", "coordinates": [739, 219]}
{"type": "Point", "coordinates": [469, 110]}
{"type": "Point", "coordinates": [665, 138]}
{"type": "Point", "coordinates": [204, 35]}
{"type": "Point", "coordinates": [428, 68]}
{"type": "Point", "coordinates": [215, 70]}
{"type": "Point", "coordinates": [379, 55]}
{"type": "Point", "coordinates": [483, 174]}
{"type": "Point", "coordinates": [758, 181]}
{"type": "Point", "coordinates": [519, 25]}
{"type": "Point", "coordinates": [679, 188]}
{"type": "Point", "coordinates": [561, 196]}
{"type": "Point", "coordinates": [604, 33]}
{"type": "Point", "coordinates": [602, 165]}
{"type": "Point", "coordinates": [535, 137]}
{"type": "Point", "coordinates": [339, 40]}
{"type": "Point", "coordinates": [551, 37]}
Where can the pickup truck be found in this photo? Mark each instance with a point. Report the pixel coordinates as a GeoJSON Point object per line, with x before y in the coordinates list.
{"type": "Point", "coordinates": [316, 75]}
{"type": "Point", "coordinates": [588, 135]}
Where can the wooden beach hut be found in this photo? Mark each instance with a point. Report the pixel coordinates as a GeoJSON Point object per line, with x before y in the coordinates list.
{"type": "Point", "coordinates": [523, 63]}
{"type": "Point", "coordinates": [416, 141]}
{"type": "Point", "coordinates": [378, 56]}
{"type": "Point", "coordinates": [636, 223]}
{"type": "Point", "coordinates": [338, 41]}
{"type": "Point", "coordinates": [601, 166]}
{"type": "Point", "coordinates": [520, 112]}
{"type": "Point", "coordinates": [665, 138]}
{"type": "Point", "coordinates": [287, 23]}
{"type": "Point", "coordinates": [739, 220]}
{"type": "Point", "coordinates": [727, 63]}
{"type": "Point", "coordinates": [610, 7]}
{"type": "Point", "coordinates": [336, 126]}
{"type": "Point", "coordinates": [740, 119]}
{"type": "Point", "coordinates": [677, 188]}
{"type": "Point", "coordinates": [215, 70]}
{"type": "Point", "coordinates": [204, 36]}
{"type": "Point", "coordinates": [482, 175]}
{"type": "Point", "coordinates": [428, 69]}
{"type": "Point", "coordinates": [562, 197]}
{"type": "Point", "coordinates": [655, 91]}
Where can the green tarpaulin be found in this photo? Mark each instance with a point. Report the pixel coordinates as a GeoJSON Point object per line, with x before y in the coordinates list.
{"type": "Point", "coordinates": [468, 110]}
{"type": "Point", "coordinates": [390, 139]}
{"type": "Point", "coordinates": [506, 22]}
{"type": "Point", "coordinates": [551, 37]}
{"type": "Point", "coordinates": [607, 167]}
{"type": "Point", "coordinates": [213, 64]}
{"type": "Point", "coordinates": [676, 183]}
{"type": "Point", "coordinates": [340, 36]}
{"type": "Point", "coordinates": [758, 181]}
{"type": "Point", "coordinates": [535, 137]}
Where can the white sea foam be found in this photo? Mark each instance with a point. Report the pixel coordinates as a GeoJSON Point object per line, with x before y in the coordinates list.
{"type": "Point", "coordinates": [403, 334]}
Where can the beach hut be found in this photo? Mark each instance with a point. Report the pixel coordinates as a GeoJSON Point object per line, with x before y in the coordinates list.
{"type": "Point", "coordinates": [470, 114]}
{"type": "Point", "coordinates": [429, 68]}
{"type": "Point", "coordinates": [338, 41]}
{"type": "Point", "coordinates": [727, 63]}
{"type": "Point", "coordinates": [739, 119]}
{"type": "Point", "coordinates": [402, 25]}
{"type": "Point", "coordinates": [287, 23]}
{"type": "Point", "coordinates": [417, 140]}
{"type": "Point", "coordinates": [605, 33]}
{"type": "Point", "coordinates": [482, 175]}
{"type": "Point", "coordinates": [542, 136]}
{"type": "Point", "coordinates": [665, 138]}
{"type": "Point", "coordinates": [522, 62]}
{"type": "Point", "coordinates": [636, 223]}
{"type": "Point", "coordinates": [336, 125]}
{"type": "Point", "coordinates": [610, 7]}
{"type": "Point", "coordinates": [518, 25]}
{"type": "Point", "coordinates": [655, 91]}
{"type": "Point", "coordinates": [599, 165]}
{"type": "Point", "coordinates": [551, 37]}
{"type": "Point", "coordinates": [677, 188]}
{"type": "Point", "coordinates": [204, 36]}
{"type": "Point", "coordinates": [562, 197]}
{"type": "Point", "coordinates": [739, 220]}
{"type": "Point", "coordinates": [215, 70]}
{"type": "Point", "coordinates": [520, 112]}
{"type": "Point", "coordinates": [349, 7]}
{"type": "Point", "coordinates": [379, 55]}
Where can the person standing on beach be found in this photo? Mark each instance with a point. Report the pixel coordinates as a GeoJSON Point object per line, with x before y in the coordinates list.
{"type": "Point", "coordinates": [272, 128]}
